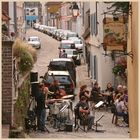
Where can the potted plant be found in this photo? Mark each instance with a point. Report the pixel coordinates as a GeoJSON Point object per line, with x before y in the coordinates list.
{"type": "Point", "coordinates": [120, 68]}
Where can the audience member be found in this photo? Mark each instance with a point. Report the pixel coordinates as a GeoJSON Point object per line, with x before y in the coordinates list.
{"type": "Point", "coordinates": [122, 109]}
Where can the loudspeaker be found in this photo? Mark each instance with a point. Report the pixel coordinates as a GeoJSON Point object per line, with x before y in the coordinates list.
{"type": "Point", "coordinates": [33, 76]}
{"type": "Point", "coordinates": [68, 127]}
{"type": "Point", "coordinates": [34, 89]}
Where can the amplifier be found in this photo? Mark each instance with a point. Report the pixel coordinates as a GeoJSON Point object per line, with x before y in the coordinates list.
{"type": "Point", "coordinates": [68, 127]}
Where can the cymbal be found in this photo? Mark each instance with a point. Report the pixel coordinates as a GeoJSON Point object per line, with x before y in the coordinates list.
{"type": "Point", "coordinates": [67, 96]}
{"type": "Point", "coordinates": [55, 100]}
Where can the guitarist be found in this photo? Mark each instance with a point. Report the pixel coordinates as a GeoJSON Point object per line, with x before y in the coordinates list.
{"type": "Point", "coordinates": [84, 113]}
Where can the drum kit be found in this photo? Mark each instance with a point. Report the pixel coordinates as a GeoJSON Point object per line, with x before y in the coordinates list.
{"type": "Point", "coordinates": [61, 108]}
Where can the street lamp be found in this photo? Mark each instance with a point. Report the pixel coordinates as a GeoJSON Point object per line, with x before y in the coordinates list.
{"type": "Point", "coordinates": [75, 9]}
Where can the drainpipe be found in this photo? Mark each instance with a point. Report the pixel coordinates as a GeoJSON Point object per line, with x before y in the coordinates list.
{"type": "Point", "coordinates": [15, 18]}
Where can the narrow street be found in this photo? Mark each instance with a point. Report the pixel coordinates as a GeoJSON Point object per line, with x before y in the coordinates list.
{"type": "Point", "coordinates": [69, 67]}
{"type": "Point", "coordinates": [48, 51]}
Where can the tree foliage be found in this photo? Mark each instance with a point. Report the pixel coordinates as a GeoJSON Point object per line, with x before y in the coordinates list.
{"type": "Point", "coordinates": [120, 6]}
{"type": "Point", "coordinates": [26, 54]}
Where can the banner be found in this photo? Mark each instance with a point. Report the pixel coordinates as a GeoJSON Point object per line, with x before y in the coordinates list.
{"type": "Point", "coordinates": [32, 13]}
{"type": "Point", "coordinates": [114, 34]}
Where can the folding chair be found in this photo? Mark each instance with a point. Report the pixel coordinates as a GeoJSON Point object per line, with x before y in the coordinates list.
{"type": "Point", "coordinates": [79, 123]}
{"type": "Point", "coordinates": [115, 115]}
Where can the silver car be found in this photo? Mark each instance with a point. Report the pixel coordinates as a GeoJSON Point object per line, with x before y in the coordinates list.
{"type": "Point", "coordinates": [34, 41]}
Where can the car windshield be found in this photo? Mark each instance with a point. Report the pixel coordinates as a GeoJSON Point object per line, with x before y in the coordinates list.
{"type": "Point", "coordinates": [63, 79]}
{"type": "Point", "coordinates": [67, 46]}
{"type": "Point", "coordinates": [72, 35]}
{"type": "Point", "coordinates": [75, 53]}
{"type": "Point", "coordinates": [61, 65]}
{"type": "Point", "coordinates": [33, 39]}
{"type": "Point", "coordinates": [78, 42]}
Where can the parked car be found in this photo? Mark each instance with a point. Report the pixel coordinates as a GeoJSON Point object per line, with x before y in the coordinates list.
{"type": "Point", "coordinates": [36, 26]}
{"type": "Point", "coordinates": [65, 34]}
{"type": "Point", "coordinates": [64, 64]}
{"type": "Point", "coordinates": [70, 50]}
{"type": "Point", "coordinates": [34, 41]}
{"type": "Point", "coordinates": [78, 43]}
{"type": "Point", "coordinates": [64, 45]}
{"type": "Point", "coordinates": [73, 53]}
{"type": "Point", "coordinates": [65, 81]}
{"type": "Point", "coordinates": [72, 34]}
{"type": "Point", "coordinates": [41, 27]}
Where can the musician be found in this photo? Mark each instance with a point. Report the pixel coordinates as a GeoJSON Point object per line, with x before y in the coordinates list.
{"type": "Point", "coordinates": [84, 92]}
{"type": "Point", "coordinates": [41, 108]}
{"type": "Point", "coordinates": [54, 87]}
{"type": "Point", "coordinates": [110, 91]}
{"type": "Point", "coordinates": [84, 112]}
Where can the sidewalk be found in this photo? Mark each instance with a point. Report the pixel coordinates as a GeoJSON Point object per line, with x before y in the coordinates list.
{"type": "Point", "coordinates": [82, 76]}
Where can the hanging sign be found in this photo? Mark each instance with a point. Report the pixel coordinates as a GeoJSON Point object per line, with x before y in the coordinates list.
{"type": "Point", "coordinates": [114, 37]}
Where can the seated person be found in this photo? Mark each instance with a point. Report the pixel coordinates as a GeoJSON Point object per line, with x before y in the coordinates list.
{"type": "Point", "coordinates": [122, 109]}
{"type": "Point", "coordinates": [84, 113]}
{"type": "Point", "coordinates": [109, 90]}
{"type": "Point", "coordinates": [96, 95]}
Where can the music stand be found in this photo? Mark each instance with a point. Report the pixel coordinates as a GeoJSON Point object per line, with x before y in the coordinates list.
{"type": "Point", "coordinates": [100, 103]}
{"type": "Point", "coordinates": [97, 124]}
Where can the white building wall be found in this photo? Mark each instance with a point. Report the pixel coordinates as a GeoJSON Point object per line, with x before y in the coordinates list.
{"type": "Point", "coordinates": [20, 19]}
{"type": "Point", "coordinates": [44, 15]}
{"type": "Point", "coordinates": [104, 64]}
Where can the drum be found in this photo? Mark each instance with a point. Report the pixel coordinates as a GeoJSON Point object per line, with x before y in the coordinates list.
{"type": "Point", "coordinates": [64, 109]}
{"type": "Point", "coordinates": [54, 108]}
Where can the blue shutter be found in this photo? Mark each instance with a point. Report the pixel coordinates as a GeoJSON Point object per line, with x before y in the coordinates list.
{"type": "Point", "coordinates": [91, 24]}
{"type": "Point", "coordinates": [94, 24]}
{"type": "Point", "coordinates": [95, 68]}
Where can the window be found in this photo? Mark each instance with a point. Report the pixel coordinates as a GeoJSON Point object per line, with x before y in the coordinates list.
{"type": "Point", "coordinates": [95, 67]}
